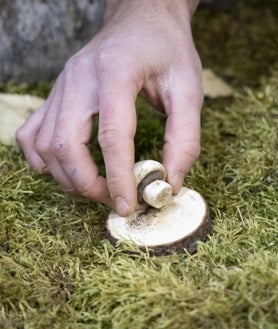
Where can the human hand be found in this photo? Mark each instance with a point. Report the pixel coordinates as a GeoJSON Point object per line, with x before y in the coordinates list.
{"type": "Point", "coordinates": [144, 47]}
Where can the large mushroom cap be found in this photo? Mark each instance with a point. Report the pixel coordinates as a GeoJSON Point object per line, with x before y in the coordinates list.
{"type": "Point", "coordinates": [171, 229]}
{"type": "Point", "coordinates": [163, 223]}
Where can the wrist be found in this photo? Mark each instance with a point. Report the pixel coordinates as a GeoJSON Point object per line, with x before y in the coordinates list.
{"type": "Point", "coordinates": [151, 7]}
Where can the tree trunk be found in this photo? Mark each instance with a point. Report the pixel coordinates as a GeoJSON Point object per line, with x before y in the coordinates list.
{"type": "Point", "coordinates": [38, 36]}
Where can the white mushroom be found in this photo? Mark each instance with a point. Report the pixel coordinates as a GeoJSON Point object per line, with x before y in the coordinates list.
{"type": "Point", "coordinates": [162, 222]}
{"type": "Point", "coordinates": [151, 186]}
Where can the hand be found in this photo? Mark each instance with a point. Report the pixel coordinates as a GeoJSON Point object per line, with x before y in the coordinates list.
{"type": "Point", "coordinates": [144, 47]}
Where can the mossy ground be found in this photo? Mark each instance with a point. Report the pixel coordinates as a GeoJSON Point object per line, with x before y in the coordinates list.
{"type": "Point", "coordinates": [57, 269]}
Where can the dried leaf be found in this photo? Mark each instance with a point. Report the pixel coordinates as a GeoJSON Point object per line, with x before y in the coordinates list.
{"type": "Point", "coordinates": [14, 110]}
{"type": "Point", "coordinates": [214, 86]}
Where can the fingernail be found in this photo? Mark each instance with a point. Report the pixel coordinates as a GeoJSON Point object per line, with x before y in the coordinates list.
{"type": "Point", "coordinates": [122, 207]}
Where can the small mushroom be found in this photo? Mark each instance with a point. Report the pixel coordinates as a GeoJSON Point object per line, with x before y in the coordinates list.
{"type": "Point", "coordinates": [163, 223]}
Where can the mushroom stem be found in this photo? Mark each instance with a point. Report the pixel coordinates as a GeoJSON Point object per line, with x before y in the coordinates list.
{"type": "Point", "coordinates": [157, 194]}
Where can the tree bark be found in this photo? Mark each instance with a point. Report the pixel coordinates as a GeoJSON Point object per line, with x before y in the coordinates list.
{"type": "Point", "coordinates": [38, 36]}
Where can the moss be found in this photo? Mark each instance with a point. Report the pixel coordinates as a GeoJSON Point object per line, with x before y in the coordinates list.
{"type": "Point", "coordinates": [240, 44]}
{"type": "Point", "coordinates": [40, 88]}
{"type": "Point", "coordinates": [59, 271]}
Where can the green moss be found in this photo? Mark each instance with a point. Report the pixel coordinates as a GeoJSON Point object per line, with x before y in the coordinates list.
{"type": "Point", "coordinates": [41, 88]}
{"type": "Point", "coordinates": [59, 271]}
{"type": "Point", "coordinates": [240, 44]}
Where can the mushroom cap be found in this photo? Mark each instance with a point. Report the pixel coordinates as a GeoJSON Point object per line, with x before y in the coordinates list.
{"type": "Point", "coordinates": [173, 228]}
{"type": "Point", "coordinates": [146, 173]}
{"type": "Point", "coordinates": [143, 168]}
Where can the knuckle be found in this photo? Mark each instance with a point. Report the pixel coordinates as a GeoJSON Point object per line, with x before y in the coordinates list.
{"type": "Point", "coordinates": [108, 136]}
{"type": "Point", "coordinates": [60, 147]}
{"type": "Point", "coordinates": [42, 146]}
{"type": "Point", "coordinates": [106, 56]}
{"type": "Point", "coordinates": [76, 65]}
{"type": "Point", "coordinates": [21, 135]}
{"type": "Point", "coordinates": [112, 59]}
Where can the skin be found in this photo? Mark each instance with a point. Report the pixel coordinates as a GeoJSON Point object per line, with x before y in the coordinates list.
{"type": "Point", "coordinates": [144, 47]}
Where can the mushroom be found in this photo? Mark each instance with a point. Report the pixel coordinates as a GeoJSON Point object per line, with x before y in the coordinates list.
{"type": "Point", "coordinates": [163, 223]}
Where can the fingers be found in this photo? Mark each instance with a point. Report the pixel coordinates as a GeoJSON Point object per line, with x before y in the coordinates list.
{"type": "Point", "coordinates": [117, 126]}
{"type": "Point", "coordinates": [45, 145]}
{"type": "Point", "coordinates": [26, 135]}
{"type": "Point", "coordinates": [68, 122]}
{"type": "Point", "coordinates": [182, 133]}
{"type": "Point", "coordinates": [56, 135]}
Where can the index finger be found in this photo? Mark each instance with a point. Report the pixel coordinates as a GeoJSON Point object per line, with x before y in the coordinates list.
{"type": "Point", "coordinates": [117, 127]}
